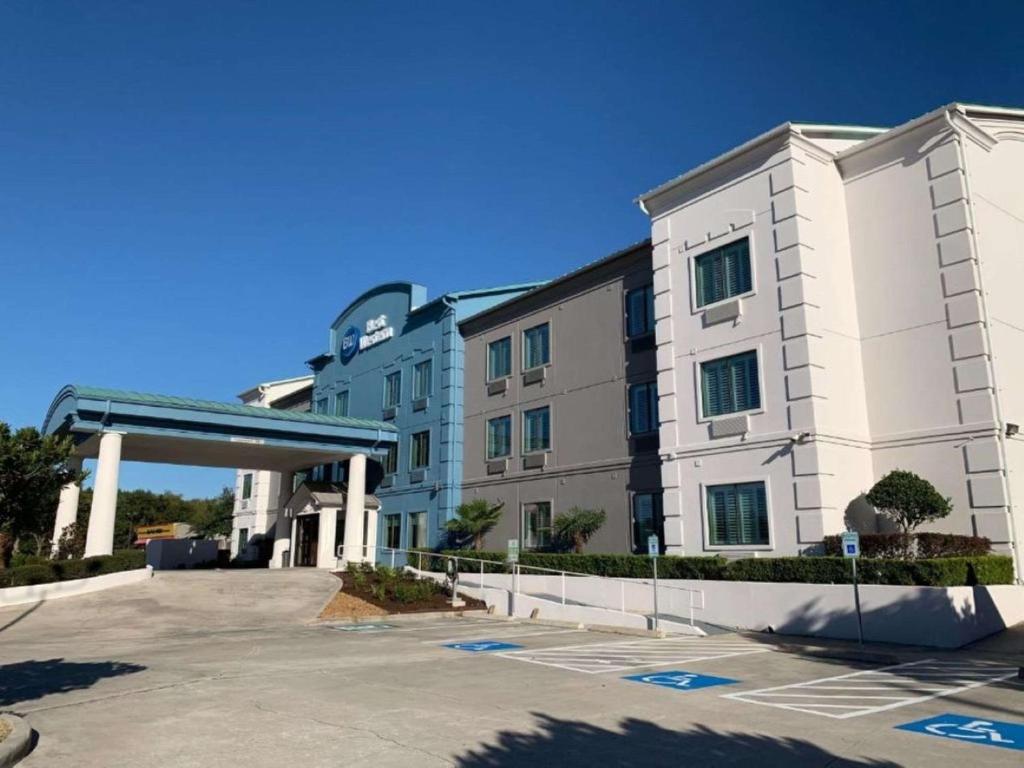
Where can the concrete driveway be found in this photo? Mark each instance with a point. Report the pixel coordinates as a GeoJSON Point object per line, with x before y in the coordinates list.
{"type": "Point", "coordinates": [222, 669]}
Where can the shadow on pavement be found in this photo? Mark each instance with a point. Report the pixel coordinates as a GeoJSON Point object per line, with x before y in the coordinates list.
{"type": "Point", "coordinates": [28, 680]}
{"type": "Point", "coordinates": [24, 615]}
{"type": "Point", "coordinates": [567, 743]}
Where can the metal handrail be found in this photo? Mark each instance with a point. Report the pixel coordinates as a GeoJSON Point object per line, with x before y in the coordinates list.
{"type": "Point", "coordinates": [517, 568]}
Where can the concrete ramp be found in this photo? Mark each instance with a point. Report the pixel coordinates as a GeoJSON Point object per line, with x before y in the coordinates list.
{"type": "Point", "coordinates": [176, 603]}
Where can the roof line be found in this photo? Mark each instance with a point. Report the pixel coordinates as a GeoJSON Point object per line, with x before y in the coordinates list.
{"type": "Point", "coordinates": [646, 242]}
{"type": "Point", "coordinates": [257, 387]}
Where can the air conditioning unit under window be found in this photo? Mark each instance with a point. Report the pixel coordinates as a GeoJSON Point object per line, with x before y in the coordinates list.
{"type": "Point", "coordinates": [245, 503]}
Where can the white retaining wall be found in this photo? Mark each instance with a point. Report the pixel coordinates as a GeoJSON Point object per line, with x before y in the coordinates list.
{"type": "Point", "coordinates": [942, 617]}
{"type": "Point", "coordinates": [42, 592]}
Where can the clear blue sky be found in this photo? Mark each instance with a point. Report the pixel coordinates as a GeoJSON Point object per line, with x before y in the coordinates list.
{"type": "Point", "coordinates": [191, 191]}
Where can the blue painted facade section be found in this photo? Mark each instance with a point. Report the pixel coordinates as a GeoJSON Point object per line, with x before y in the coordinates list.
{"type": "Point", "coordinates": [422, 331]}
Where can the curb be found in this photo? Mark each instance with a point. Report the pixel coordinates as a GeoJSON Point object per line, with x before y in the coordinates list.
{"type": "Point", "coordinates": [408, 617]}
{"type": "Point", "coordinates": [19, 741]}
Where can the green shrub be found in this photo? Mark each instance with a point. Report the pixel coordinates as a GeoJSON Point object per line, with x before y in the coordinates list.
{"type": "Point", "coordinates": [919, 545]}
{"type": "Point", "coordinates": [68, 570]}
{"type": "Point", "coordinates": [937, 572]}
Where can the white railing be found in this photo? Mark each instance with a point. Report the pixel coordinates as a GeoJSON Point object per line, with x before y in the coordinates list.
{"type": "Point", "coordinates": [611, 593]}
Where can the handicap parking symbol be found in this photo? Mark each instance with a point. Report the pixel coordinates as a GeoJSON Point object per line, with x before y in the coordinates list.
{"type": "Point", "coordinates": [972, 730]}
{"type": "Point", "coordinates": [680, 681]}
{"type": "Point", "coordinates": [482, 646]}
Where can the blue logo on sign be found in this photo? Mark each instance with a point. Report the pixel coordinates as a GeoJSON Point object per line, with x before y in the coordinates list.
{"type": "Point", "coordinates": [482, 646]}
{"type": "Point", "coordinates": [349, 343]}
{"type": "Point", "coordinates": [681, 681]}
{"type": "Point", "coordinates": [991, 733]}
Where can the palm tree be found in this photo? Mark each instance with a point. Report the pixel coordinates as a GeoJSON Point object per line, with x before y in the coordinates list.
{"type": "Point", "coordinates": [575, 527]}
{"type": "Point", "coordinates": [473, 520]}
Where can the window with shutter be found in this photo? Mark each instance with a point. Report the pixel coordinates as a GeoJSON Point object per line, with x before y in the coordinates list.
{"type": "Point", "coordinates": [643, 408]}
{"type": "Point", "coordinates": [723, 273]}
{"type": "Point", "coordinates": [640, 311]}
{"type": "Point", "coordinates": [737, 515]}
{"type": "Point", "coordinates": [730, 385]}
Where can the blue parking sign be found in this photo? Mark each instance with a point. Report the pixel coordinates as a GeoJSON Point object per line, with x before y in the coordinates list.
{"type": "Point", "coordinates": [972, 730]}
{"type": "Point", "coordinates": [680, 681]}
{"type": "Point", "coordinates": [482, 646]}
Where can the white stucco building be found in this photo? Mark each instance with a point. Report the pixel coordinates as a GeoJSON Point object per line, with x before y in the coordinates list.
{"type": "Point", "coordinates": [258, 492]}
{"type": "Point", "coordinates": [832, 303]}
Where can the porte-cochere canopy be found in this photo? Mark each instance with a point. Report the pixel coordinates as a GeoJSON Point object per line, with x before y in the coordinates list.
{"type": "Point", "coordinates": [181, 430]}
{"type": "Point", "coordinates": [113, 425]}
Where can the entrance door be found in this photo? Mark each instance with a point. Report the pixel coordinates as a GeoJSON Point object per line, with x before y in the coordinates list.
{"type": "Point", "coordinates": [307, 538]}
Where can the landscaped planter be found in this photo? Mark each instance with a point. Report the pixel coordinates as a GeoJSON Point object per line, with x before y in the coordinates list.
{"type": "Point", "coordinates": [15, 739]}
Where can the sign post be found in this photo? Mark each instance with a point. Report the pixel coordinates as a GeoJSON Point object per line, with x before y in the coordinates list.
{"type": "Point", "coordinates": [512, 556]}
{"type": "Point", "coordinates": [851, 549]}
{"type": "Point", "coordinates": [653, 549]}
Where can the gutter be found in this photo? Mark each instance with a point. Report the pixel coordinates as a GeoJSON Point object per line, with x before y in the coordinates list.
{"type": "Point", "coordinates": [1018, 565]}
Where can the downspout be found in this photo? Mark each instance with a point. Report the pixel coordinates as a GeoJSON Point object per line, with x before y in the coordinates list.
{"type": "Point", "coordinates": [1018, 565]}
{"type": "Point", "coordinates": [454, 483]}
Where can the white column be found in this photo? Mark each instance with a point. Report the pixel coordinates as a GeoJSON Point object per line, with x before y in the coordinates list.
{"type": "Point", "coordinates": [354, 504]}
{"type": "Point", "coordinates": [283, 524]}
{"type": "Point", "coordinates": [67, 507]}
{"type": "Point", "coordinates": [371, 535]}
{"type": "Point", "coordinates": [326, 555]}
{"type": "Point", "coordinates": [100, 537]}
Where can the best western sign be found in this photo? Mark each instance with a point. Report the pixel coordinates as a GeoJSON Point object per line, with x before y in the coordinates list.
{"type": "Point", "coordinates": [354, 340]}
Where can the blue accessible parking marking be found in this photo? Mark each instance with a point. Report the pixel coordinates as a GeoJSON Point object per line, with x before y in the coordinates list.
{"type": "Point", "coordinates": [482, 646]}
{"type": "Point", "coordinates": [681, 681]}
{"type": "Point", "coordinates": [991, 733]}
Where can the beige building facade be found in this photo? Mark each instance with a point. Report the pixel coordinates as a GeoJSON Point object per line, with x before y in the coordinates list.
{"type": "Point", "coordinates": [561, 406]}
{"type": "Point", "coordinates": [833, 303]}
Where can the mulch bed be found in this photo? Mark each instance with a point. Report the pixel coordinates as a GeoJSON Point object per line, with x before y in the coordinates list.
{"type": "Point", "coordinates": [354, 602]}
{"type": "Point", "coordinates": [5, 729]}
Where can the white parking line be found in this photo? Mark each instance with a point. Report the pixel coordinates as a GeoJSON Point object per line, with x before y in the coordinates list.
{"type": "Point", "coordinates": [908, 683]}
{"type": "Point", "coordinates": [483, 633]}
{"type": "Point", "coordinates": [599, 658]}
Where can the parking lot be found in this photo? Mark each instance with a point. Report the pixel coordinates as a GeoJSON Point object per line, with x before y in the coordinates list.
{"type": "Point", "coordinates": [263, 689]}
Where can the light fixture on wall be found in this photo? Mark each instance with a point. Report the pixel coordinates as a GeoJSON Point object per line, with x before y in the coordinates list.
{"type": "Point", "coordinates": [1012, 429]}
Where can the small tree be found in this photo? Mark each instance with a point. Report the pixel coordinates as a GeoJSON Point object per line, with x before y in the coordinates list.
{"type": "Point", "coordinates": [574, 528]}
{"type": "Point", "coordinates": [473, 520]}
{"type": "Point", "coordinates": [908, 500]}
{"type": "Point", "coordinates": [71, 544]}
{"type": "Point", "coordinates": [33, 468]}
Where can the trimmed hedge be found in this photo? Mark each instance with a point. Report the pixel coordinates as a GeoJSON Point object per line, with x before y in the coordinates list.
{"type": "Point", "coordinates": [68, 570]}
{"type": "Point", "coordinates": [936, 572]}
{"type": "Point", "coordinates": [921, 545]}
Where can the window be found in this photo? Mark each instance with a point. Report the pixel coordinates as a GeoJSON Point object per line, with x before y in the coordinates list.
{"type": "Point", "coordinates": [737, 515]}
{"type": "Point", "coordinates": [499, 359]}
{"type": "Point", "coordinates": [417, 530]}
{"type": "Point", "coordinates": [640, 311]}
{"type": "Point", "coordinates": [341, 404]}
{"type": "Point", "coordinates": [722, 273]}
{"type": "Point", "coordinates": [321, 405]}
{"type": "Point", "coordinates": [536, 346]}
{"type": "Point", "coordinates": [499, 437]}
{"type": "Point", "coordinates": [247, 486]}
{"type": "Point", "coordinates": [422, 374]}
{"type": "Point", "coordinates": [729, 385]}
{"type": "Point", "coordinates": [393, 531]}
{"type": "Point", "coordinates": [390, 462]}
{"type": "Point", "coordinates": [647, 520]}
{"type": "Point", "coordinates": [643, 408]}
{"type": "Point", "coordinates": [420, 450]}
{"type": "Point", "coordinates": [243, 540]}
{"type": "Point", "coordinates": [392, 389]}
{"type": "Point", "coordinates": [537, 430]}
{"type": "Point", "coordinates": [537, 525]}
